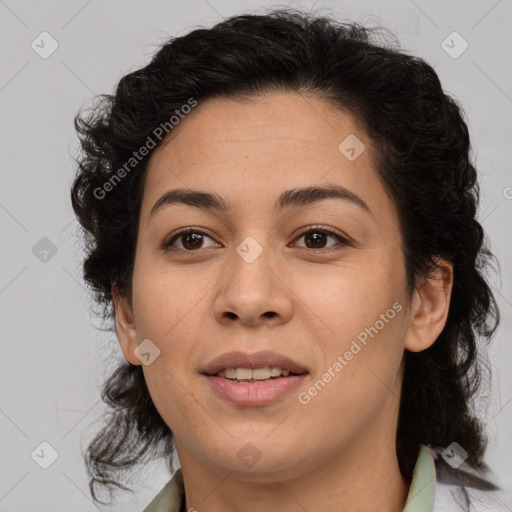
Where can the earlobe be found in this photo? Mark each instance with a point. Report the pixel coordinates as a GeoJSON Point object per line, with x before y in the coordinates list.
{"type": "Point", "coordinates": [430, 306]}
{"type": "Point", "coordinates": [125, 327]}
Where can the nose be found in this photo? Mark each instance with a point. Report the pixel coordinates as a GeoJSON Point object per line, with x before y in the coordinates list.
{"type": "Point", "coordinates": [254, 290]}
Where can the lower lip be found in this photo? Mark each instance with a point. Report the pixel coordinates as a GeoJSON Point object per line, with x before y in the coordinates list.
{"type": "Point", "coordinates": [254, 394]}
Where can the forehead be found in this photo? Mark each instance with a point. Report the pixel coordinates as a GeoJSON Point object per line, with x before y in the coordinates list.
{"type": "Point", "coordinates": [250, 151]}
{"type": "Point", "coordinates": [278, 116]}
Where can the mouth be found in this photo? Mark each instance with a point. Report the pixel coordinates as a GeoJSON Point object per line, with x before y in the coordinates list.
{"type": "Point", "coordinates": [255, 379]}
{"type": "Point", "coordinates": [256, 366]}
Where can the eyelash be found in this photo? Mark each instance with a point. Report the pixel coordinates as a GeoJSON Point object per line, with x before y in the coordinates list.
{"type": "Point", "coordinates": [167, 245]}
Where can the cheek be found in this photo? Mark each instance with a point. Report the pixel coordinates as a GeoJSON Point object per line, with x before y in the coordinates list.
{"type": "Point", "coordinates": [359, 379]}
{"type": "Point", "coordinates": [352, 297]}
{"type": "Point", "coordinates": [360, 318]}
{"type": "Point", "coordinates": [166, 303]}
{"type": "Point", "coordinates": [172, 317]}
{"type": "Point", "coordinates": [177, 403]}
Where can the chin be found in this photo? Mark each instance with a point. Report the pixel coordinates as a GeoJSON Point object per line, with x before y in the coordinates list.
{"type": "Point", "coordinates": [252, 458]}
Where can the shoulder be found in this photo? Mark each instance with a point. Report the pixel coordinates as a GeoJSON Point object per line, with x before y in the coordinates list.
{"type": "Point", "coordinates": [465, 490]}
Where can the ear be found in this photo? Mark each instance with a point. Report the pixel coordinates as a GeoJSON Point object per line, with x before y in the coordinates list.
{"type": "Point", "coordinates": [125, 327]}
{"type": "Point", "coordinates": [430, 306]}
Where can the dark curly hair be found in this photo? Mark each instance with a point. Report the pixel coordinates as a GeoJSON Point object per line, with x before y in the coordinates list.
{"type": "Point", "coordinates": [422, 156]}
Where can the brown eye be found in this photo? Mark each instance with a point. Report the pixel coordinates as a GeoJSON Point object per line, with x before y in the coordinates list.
{"type": "Point", "coordinates": [190, 240]}
{"type": "Point", "coordinates": [317, 238]}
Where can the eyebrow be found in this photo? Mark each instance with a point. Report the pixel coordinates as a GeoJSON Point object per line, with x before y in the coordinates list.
{"type": "Point", "coordinates": [294, 198]}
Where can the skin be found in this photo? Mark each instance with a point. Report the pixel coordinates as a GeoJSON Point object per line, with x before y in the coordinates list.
{"type": "Point", "coordinates": [195, 307]}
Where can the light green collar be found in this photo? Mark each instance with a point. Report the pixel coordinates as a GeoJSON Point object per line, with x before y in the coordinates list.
{"type": "Point", "coordinates": [421, 491]}
{"type": "Point", "coordinates": [419, 499]}
{"type": "Point", "coordinates": [171, 497]}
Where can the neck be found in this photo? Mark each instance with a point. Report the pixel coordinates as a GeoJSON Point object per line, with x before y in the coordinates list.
{"type": "Point", "coordinates": [366, 478]}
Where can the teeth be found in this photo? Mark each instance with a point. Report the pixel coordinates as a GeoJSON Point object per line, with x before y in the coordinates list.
{"type": "Point", "coordinates": [259, 373]}
{"type": "Point", "coordinates": [243, 373]}
{"type": "Point", "coordinates": [256, 374]}
{"type": "Point", "coordinates": [275, 371]}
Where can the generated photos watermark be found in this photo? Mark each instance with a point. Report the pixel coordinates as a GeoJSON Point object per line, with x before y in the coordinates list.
{"type": "Point", "coordinates": [137, 156]}
{"type": "Point", "coordinates": [305, 397]}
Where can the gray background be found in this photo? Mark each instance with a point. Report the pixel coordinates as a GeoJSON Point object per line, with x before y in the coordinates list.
{"type": "Point", "coordinates": [53, 359]}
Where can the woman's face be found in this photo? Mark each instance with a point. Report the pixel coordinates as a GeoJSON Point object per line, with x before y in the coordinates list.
{"type": "Point", "coordinates": [268, 274]}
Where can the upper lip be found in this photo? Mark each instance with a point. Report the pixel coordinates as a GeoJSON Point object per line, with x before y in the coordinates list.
{"type": "Point", "coordinates": [252, 360]}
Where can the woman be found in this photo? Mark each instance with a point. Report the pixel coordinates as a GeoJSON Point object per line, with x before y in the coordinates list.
{"type": "Point", "coordinates": [279, 215]}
